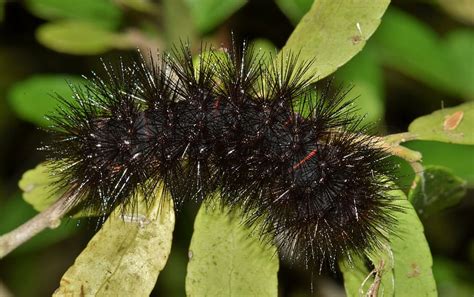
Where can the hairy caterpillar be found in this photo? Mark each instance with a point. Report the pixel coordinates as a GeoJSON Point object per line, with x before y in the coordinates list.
{"type": "Point", "coordinates": [230, 124]}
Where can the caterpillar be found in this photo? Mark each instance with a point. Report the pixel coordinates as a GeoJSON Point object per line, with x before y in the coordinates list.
{"type": "Point", "coordinates": [291, 156]}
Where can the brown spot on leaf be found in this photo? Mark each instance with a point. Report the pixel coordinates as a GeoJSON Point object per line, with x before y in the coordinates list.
{"type": "Point", "coordinates": [452, 121]}
{"type": "Point", "coordinates": [356, 39]}
{"type": "Point", "coordinates": [415, 270]}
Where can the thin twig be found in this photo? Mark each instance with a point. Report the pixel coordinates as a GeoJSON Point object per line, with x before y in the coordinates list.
{"type": "Point", "coordinates": [49, 218]}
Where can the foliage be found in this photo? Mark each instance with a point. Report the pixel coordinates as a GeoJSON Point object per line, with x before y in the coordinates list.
{"type": "Point", "coordinates": [32, 99]}
{"type": "Point", "coordinates": [79, 37]}
{"type": "Point", "coordinates": [330, 34]}
{"type": "Point", "coordinates": [128, 255]}
{"type": "Point", "coordinates": [402, 268]}
{"type": "Point", "coordinates": [239, 262]}
{"type": "Point", "coordinates": [452, 125]}
{"type": "Point", "coordinates": [436, 189]}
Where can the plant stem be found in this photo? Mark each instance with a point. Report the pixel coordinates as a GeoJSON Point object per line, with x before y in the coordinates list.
{"type": "Point", "coordinates": [49, 218]}
{"type": "Point", "coordinates": [391, 143]}
{"type": "Point", "coordinates": [398, 138]}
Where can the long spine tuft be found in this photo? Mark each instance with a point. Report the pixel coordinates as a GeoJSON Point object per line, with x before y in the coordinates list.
{"type": "Point", "coordinates": [229, 124]}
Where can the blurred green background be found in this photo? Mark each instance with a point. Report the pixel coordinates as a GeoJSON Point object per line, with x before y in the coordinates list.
{"type": "Point", "coordinates": [419, 60]}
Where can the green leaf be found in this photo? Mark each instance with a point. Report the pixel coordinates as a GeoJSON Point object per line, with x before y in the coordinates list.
{"type": "Point", "coordinates": [38, 189]}
{"type": "Point", "coordinates": [365, 75]}
{"type": "Point", "coordinates": [401, 268]}
{"type": "Point", "coordinates": [36, 185]}
{"type": "Point", "coordinates": [294, 9]}
{"type": "Point", "coordinates": [456, 157]}
{"type": "Point", "coordinates": [436, 189]}
{"type": "Point", "coordinates": [208, 14]}
{"type": "Point", "coordinates": [79, 38]}
{"type": "Point", "coordinates": [355, 275]}
{"type": "Point", "coordinates": [227, 259]}
{"type": "Point", "coordinates": [441, 64]}
{"type": "Point", "coordinates": [35, 97]}
{"type": "Point", "coordinates": [100, 12]}
{"type": "Point", "coordinates": [452, 125]}
{"type": "Point", "coordinates": [408, 258]}
{"type": "Point", "coordinates": [264, 47]}
{"type": "Point", "coordinates": [332, 32]}
{"type": "Point", "coordinates": [126, 256]}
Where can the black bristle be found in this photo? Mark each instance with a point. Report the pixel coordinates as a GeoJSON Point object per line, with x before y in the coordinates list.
{"type": "Point", "coordinates": [229, 124]}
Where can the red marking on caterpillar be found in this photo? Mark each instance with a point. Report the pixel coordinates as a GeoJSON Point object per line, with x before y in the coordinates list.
{"type": "Point", "coordinates": [305, 159]}
{"type": "Point", "coordinates": [217, 104]}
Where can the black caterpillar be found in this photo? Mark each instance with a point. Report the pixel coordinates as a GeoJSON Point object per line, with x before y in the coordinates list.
{"type": "Point", "coordinates": [290, 155]}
